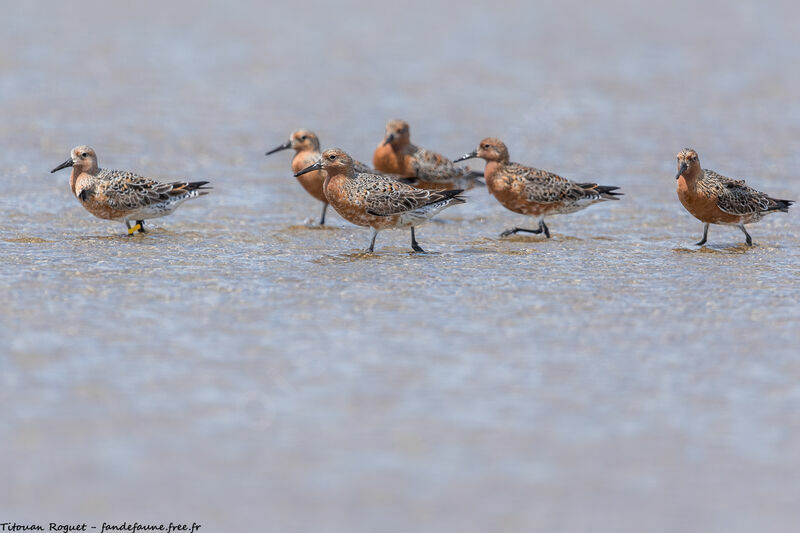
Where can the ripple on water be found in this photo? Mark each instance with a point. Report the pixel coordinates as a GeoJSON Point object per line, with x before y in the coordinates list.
{"type": "Point", "coordinates": [716, 249]}
{"type": "Point", "coordinates": [311, 227]}
{"type": "Point", "coordinates": [516, 374]}
{"type": "Point", "coordinates": [28, 240]}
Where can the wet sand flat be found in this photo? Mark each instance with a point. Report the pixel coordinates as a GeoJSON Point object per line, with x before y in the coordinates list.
{"type": "Point", "coordinates": [237, 368]}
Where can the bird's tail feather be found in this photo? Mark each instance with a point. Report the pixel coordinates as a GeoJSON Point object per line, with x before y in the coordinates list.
{"type": "Point", "coordinates": [605, 191]}
{"type": "Point", "coordinates": [454, 195]}
{"type": "Point", "coordinates": [780, 205]}
{"type": "Point", "coordinates": [186, 187]}
{"type": "Point", "coordinates": [193, 185]}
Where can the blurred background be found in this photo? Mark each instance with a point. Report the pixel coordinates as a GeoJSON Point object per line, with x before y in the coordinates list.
{"type": "Point", "coordinates": [239, 369]}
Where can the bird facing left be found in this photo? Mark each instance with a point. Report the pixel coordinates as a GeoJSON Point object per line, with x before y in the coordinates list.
{"type": "Point", "coordinates": [124, 196]}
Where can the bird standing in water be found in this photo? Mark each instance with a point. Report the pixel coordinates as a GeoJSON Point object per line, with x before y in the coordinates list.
{"type": "Point", "coordinates": [378, 201]}
{"type": "Point", "coordinates": [306, 145]}
{"type": "Point", "coordinates": [715, 199]}
{"type": "Point", "coordinates": [124, 196]}
{"type": "Point", "coordinates": [531, 191]}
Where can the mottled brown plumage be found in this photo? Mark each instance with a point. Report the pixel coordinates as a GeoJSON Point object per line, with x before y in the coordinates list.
{"type": "Point", "coordinates": [121, 195]}
{"type": "Point", "coordinates": [306, 145]}
{"type": "Point", "coordinates": [375, 200]}
{"type": "Point", "coordinates": [396, 155]}
{"type": "Point", "coordinates": [716, 199]}
{"type": "Point", "coordinates": [531, 191]}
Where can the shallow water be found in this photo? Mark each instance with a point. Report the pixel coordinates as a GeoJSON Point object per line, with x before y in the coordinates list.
{"type": "Point", "coordinates": [237, 368]}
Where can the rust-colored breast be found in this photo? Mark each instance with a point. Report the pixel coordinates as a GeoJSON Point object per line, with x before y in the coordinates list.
{"type": "Point", "coordinates": [510, 192]}
{"type": "Point", "coordinates": [311, 181]}
{"type": "Point", "coordinates": [91, 194]}
{"type": "Point", "coordinates": [386, 160]}
{"type": "Point", "coordinates": [702, 206]}
{"type": "Point", "coordinates": [351, 206]}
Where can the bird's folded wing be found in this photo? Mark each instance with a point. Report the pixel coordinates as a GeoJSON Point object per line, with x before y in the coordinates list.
{"type": "Point", "coordinates": [734, 196]}
{"type": "Point", "coordinates": [434, 167]}
{"type": "Point", "coordinates": [361, 168]}
{"type": "Point", "coordinates": [126, 190]}
{"type": "Point", "coordinates": [742, 200]}
{"type": "Point", "coordinates": [394, 197]}
{"type": "Point", "coordinates": [544, 187]}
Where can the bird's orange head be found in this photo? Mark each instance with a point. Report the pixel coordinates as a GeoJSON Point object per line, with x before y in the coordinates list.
{"type": "Point", "coordinates": [688, 162]}
{"type": "Point", "coordinates": [490, 149]}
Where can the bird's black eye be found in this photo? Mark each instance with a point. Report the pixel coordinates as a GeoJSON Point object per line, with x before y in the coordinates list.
{"type": "Point", "coordinates": [331, 157]}
{"type": "Point", "coordinates": [486, 146]}
{"type": "Point", "coordinates": [303, 138]}
{"type": "Point", "coordinates": [84, 154]}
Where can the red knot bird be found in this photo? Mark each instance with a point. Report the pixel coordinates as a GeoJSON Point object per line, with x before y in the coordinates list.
{"type": "Point", "coordinates": [378, 201]}
{"type": "Point", "coordinates": [124, 196]}
{"type": "Point", "coordinates": [716, 199]}
{"type": "Point", "coordinates": [531, 191]}
{"type": "Point", "coordinates": [396, 155]}
{"type": "Point", "coordinates": [306, 146]}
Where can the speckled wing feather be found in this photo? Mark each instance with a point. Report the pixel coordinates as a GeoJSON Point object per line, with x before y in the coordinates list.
{"type": "Point", "coordinates": [361, 168]}
{"type": "Point", "coordinates": [126, 190]}
{"type": "Point", "coordinates": [434, 167]}
{"type": "Point", "coordinates": [545, 187]}
{"type": "Point", "coordinates": [386, 196]}
{"type": "Point", "coordinates": [734, 196]}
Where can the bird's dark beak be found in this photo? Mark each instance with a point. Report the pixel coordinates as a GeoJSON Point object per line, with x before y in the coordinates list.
{"type": "Point", "coordinates": [65, 164]}
{"type": "Point", "coordinates": [311, 168]}
{"type": "Point", "coordinates": [389, 138]}
{"type": "Point", "coordinates": [473, 154]}
{"type": "Point", "coordinates": [284, 146]}
{"type": "Point", "coordinates": [681, 170]}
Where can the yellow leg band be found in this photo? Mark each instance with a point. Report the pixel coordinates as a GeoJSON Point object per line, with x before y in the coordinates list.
{"type": "Point", "coordinates": [133, 230]}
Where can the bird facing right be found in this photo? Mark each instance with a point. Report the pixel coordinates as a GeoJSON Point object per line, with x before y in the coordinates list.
{"type": "Point", "coordinates": [716, 199]}
{"type": "Point", "coordinates": [531, 191]}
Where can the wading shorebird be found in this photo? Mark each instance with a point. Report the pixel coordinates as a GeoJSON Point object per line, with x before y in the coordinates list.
{"type": "Point", "coordinates": [716, 199]}
{"type": "Point", "coordinates": [124, 196]}
{"type": "Point", "coordinates": [305, 144]}
{"type": "Point", "coordinates": [396, 155]}
{"type": "Point", "coordinates": [531, 191]}
{"type": "Point", "coordinates": [375, 200]}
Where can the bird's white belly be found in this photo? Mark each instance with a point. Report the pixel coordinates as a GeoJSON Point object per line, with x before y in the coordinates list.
{"type": "Point", "coordinates": [155, 210]}
{"type": "Point", "coordinates": [422, 215]}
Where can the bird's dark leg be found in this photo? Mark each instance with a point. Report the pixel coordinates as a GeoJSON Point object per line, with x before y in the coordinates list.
{"type": "Point", "coordinates": [512, 231]}
{"type": "Point", "coordinates": [705, 235]}
{"type": "Point", "coordinates": [748, 239]}
{"type": "Point", "coordinates": [414, 245]}
{"type": "Point", "coordinates": [322, 218]}
{"type": "Point", "coordinates": [140, 223]}
{"type": "Point", "coordinates": [543, 227]}
{"type": "Point", "coordinates": [371, 248]}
